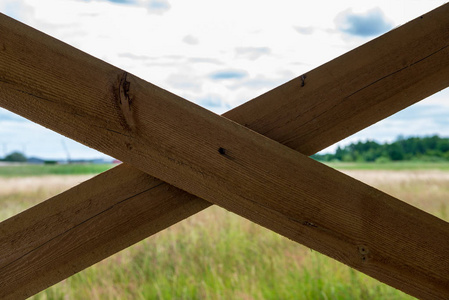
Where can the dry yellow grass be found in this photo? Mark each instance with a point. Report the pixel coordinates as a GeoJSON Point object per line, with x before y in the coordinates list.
{"type": "Point", "coordinates": [217, 255]}
{"type": "Point", "coordinates": [425, 189]}
{"type": "Point", "coordinates": [21, 184]}
{"type": "Point", "coordinates": [20, 193]}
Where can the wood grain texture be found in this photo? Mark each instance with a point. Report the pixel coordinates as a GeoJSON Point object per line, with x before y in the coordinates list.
{"type": "Point", "coordinates": [386, 74]}
{"type": "Point", "coordinates": [128, 121]}
{"type": "Point", "coordinates": [84, 225]}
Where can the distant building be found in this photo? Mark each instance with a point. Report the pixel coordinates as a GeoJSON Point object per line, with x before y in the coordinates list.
{"type": "Point", "coordinates": [35, 161]}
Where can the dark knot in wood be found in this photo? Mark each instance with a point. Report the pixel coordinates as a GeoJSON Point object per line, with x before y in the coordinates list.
{"type": "Point", "coordinates": [125, 99]}
{"type": "Point", "coordinates": [303, 80]}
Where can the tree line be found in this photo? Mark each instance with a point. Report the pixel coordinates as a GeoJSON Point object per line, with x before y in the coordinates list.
{"type": "Point", "coordinates": [431, 148]}
{"type": "Point", "coordinates": [15, 157]}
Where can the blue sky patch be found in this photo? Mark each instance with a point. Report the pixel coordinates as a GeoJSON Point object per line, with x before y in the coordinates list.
{"type": "Point", "coordinates": [122, 1]}
{"type": "Point", "coordinates": [371, 23]}
{"type": "Point", "coordinates": [210, 102]}
{"type": "Point", "coordinates": [6, 115]}
{"type": "Point", "coordinates": [230, 74]}
{"type": "Point", "coordinates": [159, 5]}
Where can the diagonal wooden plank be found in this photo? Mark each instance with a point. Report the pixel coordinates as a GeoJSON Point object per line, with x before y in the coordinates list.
{"type": "Point", "coordinates": [84, 225]}
{"type": "Point", "coordinates": [387, 74]}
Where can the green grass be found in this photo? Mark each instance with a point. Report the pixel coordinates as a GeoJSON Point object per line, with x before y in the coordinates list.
{"type": "Point", "coordinates": [80, 169]}
{"type": "Point", "coordinates": [40, 170]}
{"type": "Point", "coordinates": [218, 255]}
{"type": "Point", "coordinates": [398, 166]}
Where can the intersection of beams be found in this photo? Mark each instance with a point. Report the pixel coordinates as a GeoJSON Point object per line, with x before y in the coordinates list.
{"type": "Point", "coordinates": [221, 161]}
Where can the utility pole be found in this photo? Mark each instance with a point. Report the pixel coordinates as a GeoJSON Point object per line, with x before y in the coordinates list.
{"type": "Point", "coordinates": [5, 149]}
{"type": "Point", "coordinates": [66, 150]}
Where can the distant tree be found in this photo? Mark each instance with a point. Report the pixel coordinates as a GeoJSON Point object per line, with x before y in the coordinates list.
{"type": "Point", "coordinates": [430, 148]}
{"type": "Point", "coordinates": [15, 157]}
{"type": "Point", "coordinates": [443, 145]}
{"type": "Point", "coordinates": [339, 153]}
{"type": "Point", "coordinates": [395, 151]}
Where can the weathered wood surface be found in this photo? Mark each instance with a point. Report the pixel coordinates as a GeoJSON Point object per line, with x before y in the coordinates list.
{"type": "Point", "coordinates": [84, 225]}
{"type": "Point", "coordinates": [130, 123]}
{"type": "Point", "coordinates": [387, 74]}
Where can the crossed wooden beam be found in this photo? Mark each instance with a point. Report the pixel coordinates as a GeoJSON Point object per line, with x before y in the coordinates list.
{"type": "Point", "coordinates": [251, 161]}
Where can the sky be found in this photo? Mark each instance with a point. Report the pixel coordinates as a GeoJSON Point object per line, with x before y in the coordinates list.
{"type": "Point", "coordinates": [218, 54]}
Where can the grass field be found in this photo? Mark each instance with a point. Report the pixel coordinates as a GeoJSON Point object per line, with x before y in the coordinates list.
{"type": "Point", "coordinates": [398, 166]}
{"type": "Point", "coordinates": [22, 170]}
{"type": "Point", "coordinates": [218, 255]}
{"type": "Point", "coordinates": [26, 170]}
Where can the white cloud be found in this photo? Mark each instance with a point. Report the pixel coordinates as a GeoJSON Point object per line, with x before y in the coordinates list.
{"type": "Point", "coordinates": [190, 40]}
{"type": "Point", "coordinates": [35, 140]}
{"type": "Point", "coordinates": [252, 53]}
{"type": "Point", "coordinates": [304, 30]}
{"type": "Point", "coordinates": [184, 82]}
{"type": "Point", "coordinates": [370, 23]}
{"type": "Point", "coordinates": [188, 46]}
{"type": "Point", "coordinates": [17, 9]}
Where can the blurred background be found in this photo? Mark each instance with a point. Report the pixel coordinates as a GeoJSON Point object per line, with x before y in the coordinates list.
{"type": "Point", "coordinates": [218, 54]}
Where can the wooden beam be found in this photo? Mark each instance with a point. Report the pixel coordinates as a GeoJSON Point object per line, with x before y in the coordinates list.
{"type": "Point", "coordinates": [387, 74]}
{"type": "Point", "coordinates": [73, 230]}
